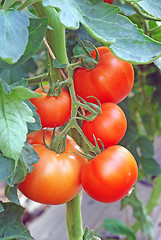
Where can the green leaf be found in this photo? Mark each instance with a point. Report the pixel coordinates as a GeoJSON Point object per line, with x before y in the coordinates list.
{"type": "Point", "coordinates": [131, 134]}
{"type": "Point", "coordinates": [11, 226]}
{"type": "Point", "coordinates": [6, 167]}
{"type": "Point", "coordinates": [29, 157]}
{"type": "Point", "coordinates": [117, 227]}
{"type": "Point", "coordinates": [25, 165]}
{"type": "Point", "coordinates": [11, 194]}
{"type": "Point", "coordinates": [37, 29]}
{"type": "Point", "coordinates": [125, 107]}
{"type": "Point", "coordinates": [153, 7]}
{"type": "Point", "coordinates": [18, 175]}
{"type": "Point", "coordinates": [104, 23]}
{"type": "Point", "coordinates": [139, 212]}
{"type": "Point", "coordinates": [14, 35]}
{"type": "Point", "coordinates": [146, 147]}
{"type": "Point", "coordinates": [8, 3]}
{"type": "Point", "coordinates": [124, 8]}
{"type": "Point", "coordinates": [14, 114]}
{"type": "Point", "coordinates": [37, 124]}
{"type": "Point", "coordinates": [16, 75]}
{"type": "Point", "coordinates": [150, 166]}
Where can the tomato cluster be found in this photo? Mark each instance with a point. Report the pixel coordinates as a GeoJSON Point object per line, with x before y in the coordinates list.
{"type": "Point", "coordinates": [58, 177]}
{"type": "Point", "coordinates": [111, 174]}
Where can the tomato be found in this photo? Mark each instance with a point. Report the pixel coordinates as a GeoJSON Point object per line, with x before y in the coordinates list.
{"type": "Point", "coordinates": [53, 111]}
{"type": "Point", "coordinates": [110, 126]}
{"type": "Point", "coordinates": [110, 175]}
{"type": "Point", "coordinates": [110, 81]}
{"type": "Point", "coordinates": [56, 177]}
{"type": "Point", "coordinates": [36, 137]}
{"type": "Point", "coordinates": [108, 1]}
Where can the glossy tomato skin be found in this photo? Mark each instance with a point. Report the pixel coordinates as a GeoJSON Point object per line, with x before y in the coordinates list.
{"type": "Point", "coordinates": [56, 177]}
{"type": "Point", "coordinates": [110, 81]}
{"type": "Point", "coordinates": [110, 175]}
{"type": "Point", "coordinates": [53, 111]}
{"type": "Point", "coordinates": [108, 1]}
{"type": "Point", "coordinates": [110, 126]}
{"type": "Point", "coordinates": [36, 137]}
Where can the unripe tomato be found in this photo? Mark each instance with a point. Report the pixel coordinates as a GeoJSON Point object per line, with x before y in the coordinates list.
{"type": "Point", "coordinates": [53, 111]}
{"type": "Point", "coordinates": [56, 177]}
{"type": "Point", "coordinates": [110, 81]}
{"type": "Point", "coordinates": [108, 1]}
{"type": "Point", "coordinates": [110, 175]}
{"type": "Point", "coordinates": [110, 126]}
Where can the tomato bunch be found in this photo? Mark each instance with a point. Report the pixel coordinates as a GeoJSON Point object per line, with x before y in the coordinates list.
{"type": "Point", "coordinates": [110, 82]}
{"type": "Point", "coordinates": [112, 173]}
{"type": "Point", "coordinates": [58, 177]}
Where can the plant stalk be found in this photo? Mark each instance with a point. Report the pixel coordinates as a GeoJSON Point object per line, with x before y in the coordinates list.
{"type": "Point", "coordinates": [74, 219]}
{"type": "Point", "coordinates": [56, 35]}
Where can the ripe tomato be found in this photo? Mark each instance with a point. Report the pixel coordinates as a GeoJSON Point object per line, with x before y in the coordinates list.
{"type": "Point", "coordinates": [110, 81]}
{"type": "Point", "coordinates": [36, 137]}
{"type": "Point", "coordinates": [56, 177]}
{"type": "Point", "coordinates": [110, 175]}
{"type": "Point", "coordinates": [110, 126]}
{"type": "Point", "coordinates": [53, 111]}
{"type": "Point", "coordinates": [108, 1]}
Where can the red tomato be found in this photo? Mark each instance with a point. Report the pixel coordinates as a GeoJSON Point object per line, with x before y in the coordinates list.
{"type": "Point", "coordinates": [56, 177]}
{"type": "Point", "coordinates": [108, 1]}
{"type": "Point", "coordinates": [110, 81]}
{"type": "Point", "coordinates": [110, 175]}
{"type": "Point", "coordinates": [53, 111]}
{"type": "Point", "coordinates": [36, 137]}
{"type": "Point", "coordinates": [110, 126]}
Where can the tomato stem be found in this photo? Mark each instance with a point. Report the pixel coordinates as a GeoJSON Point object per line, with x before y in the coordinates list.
{"type": "Point", "coordinates": [74, 110]}
{"type": "Point", "coordinates": [74, 219]}
{"type": "Point", "coordinates": [55, 38]}
{"type": "Point", "coordinates": [56, 35]}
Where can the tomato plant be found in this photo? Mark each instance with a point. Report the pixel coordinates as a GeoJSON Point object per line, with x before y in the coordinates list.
{"type": "Point", "coordinates": [110, 81]}
{"type": "Point", "coordinates": [110, 175]}
{"type": "Point", "coordinates": [47, 108]}
{"type": "Point", "coordinates": [110, 126]}
{"type": "Point", "coordinates": [39, 42]}
{"type": "Point", "coordinates": [108, 1]}
{"type": "Point", "coordinates": [56, 177]}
